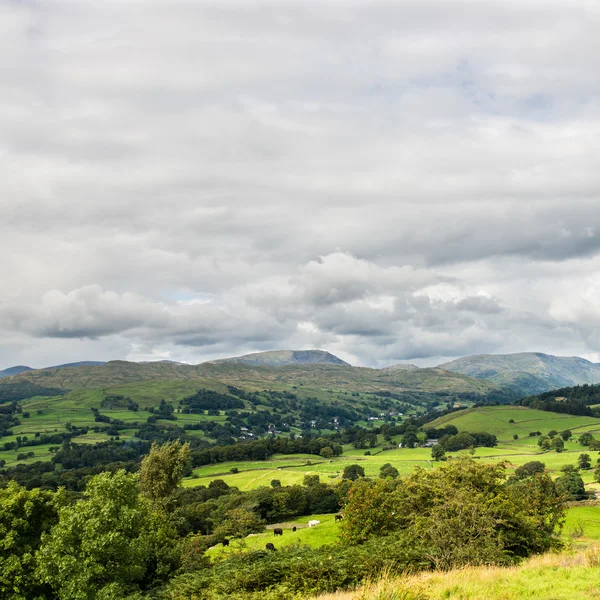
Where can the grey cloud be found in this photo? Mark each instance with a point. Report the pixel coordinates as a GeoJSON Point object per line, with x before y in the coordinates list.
{"type": "Point", "coordinates": [386, 179]}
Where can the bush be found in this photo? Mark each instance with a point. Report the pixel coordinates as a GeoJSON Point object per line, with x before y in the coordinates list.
{"type": "Point", "coordinates": [304, 570]}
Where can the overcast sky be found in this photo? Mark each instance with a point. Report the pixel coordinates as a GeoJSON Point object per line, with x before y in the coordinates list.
{"type": "Point", "coordinates": [410, 180]}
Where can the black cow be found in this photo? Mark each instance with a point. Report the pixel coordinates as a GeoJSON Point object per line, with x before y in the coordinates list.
{"type": "Point", "coordinates": [277, 531]}
{"type": "Point", "coordinates": [270, 546]}
{"type": "Point", "coordinates": [225, 542]}
{"type": "Point", "coordinates": [339, 517]}
{"type": "Point", "coordinates": [294, 528]}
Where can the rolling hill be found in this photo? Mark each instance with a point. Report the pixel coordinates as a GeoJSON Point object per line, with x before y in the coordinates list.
{"type": "Point", "coordinates": [281, 358]}
{"type": "Point", "coordinates": [527, 372]}
{"type": "Point", "coordinates": [14, 371]}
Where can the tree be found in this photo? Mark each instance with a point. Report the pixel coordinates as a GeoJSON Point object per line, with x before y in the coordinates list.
{"type": "Point", "coordinates": [529, 469]}
{"type": "Point", "coordinates": [515, 436]}
{"type": "Point", "coordinates": [25, 515]}
{"type": "Point", "coordinates": [438, 452]}
{"type": "Point", "coordinates": [387, 470]}
{"type": "Point", "coordinates": [552, 433]}
{"type": "Point", "coordinates": [353, 472]}
{"type": "Point", "coordinates": [275, 483]}
{"type": "Point", "coordinates": [326, 452]}
{"type": "Point", "coordinates": [238, 523]}
{"type": "Point", "coordinates": [311, 480]}
{"type": "Point", "coordinates": [584, 461]}
{"type": "Point", "coordinates": [162, 469]}
{"type": "Point", "coordinates": [566, 435]}
{"type": "Point", "coordinates": [110, 543]}
{"type": "Point", "coordinates": [410, 440]}
{"type": "Point", "coordinates": [571, 485]}
{"type": "Point", "coordinates": [585, 439]}
{"type": "Point", "coordinates": [597, 473]}
{"type": "Point", "coordinates": [558, 444]}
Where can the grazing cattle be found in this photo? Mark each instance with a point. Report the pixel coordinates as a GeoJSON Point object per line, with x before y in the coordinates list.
{"type": "Point", "coordinates": [225, 542]}
{"type": "Point", "coordinates": [277, 531]}
{"type": "Point", "coordinates": [339, 517]}
{"type": "Point", "coordinates": [294, 528]}
{"type": "Point", "coordinates": [313, 523]}
{"type": "Point", "coordinates": [270, 546]}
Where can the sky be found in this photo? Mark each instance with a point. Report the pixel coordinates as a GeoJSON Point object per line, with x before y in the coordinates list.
{"type": "Point", "coordinates": [400, 181]}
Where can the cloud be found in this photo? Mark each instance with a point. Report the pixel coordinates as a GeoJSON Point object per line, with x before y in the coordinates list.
{"type": "Point", "coordinates": [387, 180]}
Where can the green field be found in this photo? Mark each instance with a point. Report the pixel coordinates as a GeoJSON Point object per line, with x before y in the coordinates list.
{"type": "Point", "coordinates": [320, 535]}
{"type": "Point", "coordinates": [495, 419]}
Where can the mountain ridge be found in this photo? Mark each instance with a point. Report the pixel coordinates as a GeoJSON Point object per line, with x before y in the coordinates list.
{"type": "Point", "coordinates": [527, 372]}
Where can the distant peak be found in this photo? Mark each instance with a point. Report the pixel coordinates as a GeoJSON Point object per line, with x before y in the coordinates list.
{"type": "Point", "coordinates": [281, 358]}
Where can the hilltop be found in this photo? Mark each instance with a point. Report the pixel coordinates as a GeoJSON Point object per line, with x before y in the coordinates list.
{"type": "Point", "coordinates": [281, 358]}
{"type": "Point", "coordinates": [527, 372]}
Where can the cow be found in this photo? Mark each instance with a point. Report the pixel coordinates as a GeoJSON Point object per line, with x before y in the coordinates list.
{"type": "Point", "coordinates": [313, 523]}
{"type": "Point", "coordinates": [270, 546]}
{"type": "Point", "coordinates": [339, 517]}
{"type": "Point", "coordinates": [294, 528]}
{"type": "Point", "coordinates": [277, 531]}
{"type": "Point", "coordinates": [225, 542]}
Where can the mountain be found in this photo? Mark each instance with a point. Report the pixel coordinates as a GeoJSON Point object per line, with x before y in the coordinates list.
{"type": "Point", "coordinates": [14, 370]}
{"type": "Point", "coordinates": [23, 369]}
{"type": "Point", "coordinates": [281, 358]}
{"type": "Point", "coordinates": [401, 367]}
{"type": "Point", "coordinates": [255, 377]}
{"type": "Point", "coordinates": [527, 372]}
{"type": "Point", "coordinates": [82, 363]}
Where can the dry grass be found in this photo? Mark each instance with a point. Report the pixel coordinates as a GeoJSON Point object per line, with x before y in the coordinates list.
{"type": "Point", "coordinates": [564, 576]}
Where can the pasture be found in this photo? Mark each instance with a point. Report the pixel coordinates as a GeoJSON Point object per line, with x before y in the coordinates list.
{"type": "Point", "coordinates": [321, 535]}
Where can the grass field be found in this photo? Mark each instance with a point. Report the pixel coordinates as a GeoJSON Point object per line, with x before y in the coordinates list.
{"type": "Point", "coordinates": [320, 535]}
{"type": "Point", "coordinates": [495, 419]}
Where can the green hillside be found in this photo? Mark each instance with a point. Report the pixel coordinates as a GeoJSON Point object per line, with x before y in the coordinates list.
{"type": "Point", "coordinates": [343, 377]}
{"type": "Point", "coordinates": [495, 419]}
{"type": "Point", "coordinates": [527, 372]}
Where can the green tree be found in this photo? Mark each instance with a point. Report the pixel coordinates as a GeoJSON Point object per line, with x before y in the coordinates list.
{"type": "Point", "coordinates": [387, 470]}
{"type": "Point", "coordinates": [311, 480]}
{"type": "Point", "coordinates": [566, 435]}
{"type": "Point", "coordinates": [238, 523]}
{"type": "Point", "coordinates": [585, 439]}
{"type": "Point", "coordinates": [25, 515]}
{"type": "Point", "coordinates": [110, 543]}
{"type": "Point", "coordinates": [275, 483]}
{"type": "Point", "coordinates": [584, 461]}
{"type": "Point", "coordinates": [571, 485]}
{"type": "Point", "coordinates": [557, 444]}
{"type": "Point", "coordinates": [438, 452]}
{"type": "Point", "coordinates": [326, 452]}
{"type": "Point", "coordinates": [353, 472]}
{"type": "Point", "coordinates": [529, 469]}
{"type": "Point", "coordinates": [552, 433]}
{"type": "Point", "coordinates": [162, 469]}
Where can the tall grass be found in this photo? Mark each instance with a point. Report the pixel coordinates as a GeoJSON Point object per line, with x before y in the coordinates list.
{"type": "Point", "coordinates": [552, 576]}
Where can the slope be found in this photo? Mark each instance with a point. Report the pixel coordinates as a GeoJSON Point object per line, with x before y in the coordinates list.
{"type": "Point", "coordinates": [527, 372]}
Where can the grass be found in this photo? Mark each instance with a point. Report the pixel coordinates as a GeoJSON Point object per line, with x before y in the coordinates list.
{"type": "Point", "coordinates": [565, 576]}
{"type": "Point", "coordinates": [323, 534]}
{"type": "Point", "coordinates": [495, 419]}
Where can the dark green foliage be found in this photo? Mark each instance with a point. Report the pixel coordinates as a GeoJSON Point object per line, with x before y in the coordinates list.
{"type": "Point", "coordinates": [305, 570]}
{"type": "Point", "coordinates": [487, 519]}
{"type": "Point", "coordinates": [208, 399]}
{"type": "Point", "coordinates": [463, 440]}
{"type": "Point", "coordinates": [13, 392]}
{"type": "Point", "coordinates": [584, 461]}
{"type": "Point", "coordinates": [438, 452]}
{"type": "Point", "coordinates": [353, 472]}
{"type": "Point", "coordinates": [571, 486]}
{"type": "Point", "coordinates": [529, 469]}
{"type": "Point", "coordinates": [387, 470]}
